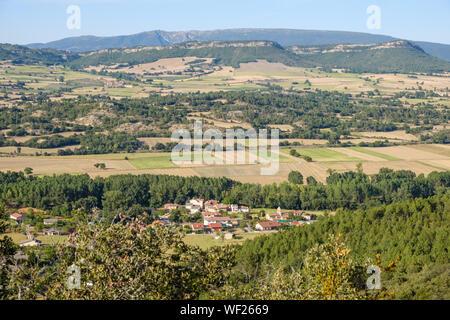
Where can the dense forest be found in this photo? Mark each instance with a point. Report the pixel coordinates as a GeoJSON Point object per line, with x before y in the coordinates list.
{"type": "Point", "coordinates": [393, 60]}
{"type": "Point", "coordinates": [415, 232]}
{"type": "Point", "coordinates": [136, 194]}
{"type": "Point", "coordinates": [24, 55]}
{"type": "Point", "coordinates": [312, 115]}
{"type": "Point", "coordinates": [325, 260]}
{"type": "Point", "coordinates": [406, 58]}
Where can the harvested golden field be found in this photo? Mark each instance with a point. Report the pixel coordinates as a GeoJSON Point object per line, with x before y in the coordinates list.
{"type": "Point", "coordinates": [411, 153]}
{"type": "Point", "coordinates": [361, 155]}
{"type": "Point", "coordinates": [46, 166]}
{"type": "Point", "coordinates": [374, 167]}
{"type": "Point", "coordinates": [418, 158]}
{"type": "Point", "coordinates": [162, 65]}
{"type": "Point", "coordinates": [392, 135]}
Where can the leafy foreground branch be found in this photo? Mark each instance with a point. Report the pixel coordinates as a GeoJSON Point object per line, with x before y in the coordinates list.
{"type": "Point", "coordinates": [328, 273]}
{"type": "Point", "coordinates": [126, 261]}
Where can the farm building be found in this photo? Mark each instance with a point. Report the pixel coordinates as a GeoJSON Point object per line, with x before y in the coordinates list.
{"type": "Point", "coordinates": [51, 232]}
{"type": "Point", "coordinates": [171, 206]}
{"type": "Point", "coordinates": [266, 226]}
{"type": "Point", "coordinates": [221, 220]}
{"type": "Point", "coordinates": [198, 202]}
{"type": "Point", "coordinates": [30, 243]}
{"type": "Point", "coordinates": [50, 221]}
{"type": "Point", "coordinates": [16, 216]}
{"type": "Point", "coordinates": [215, 226]}
{"type": "Point", "coordinates": [197, 227]}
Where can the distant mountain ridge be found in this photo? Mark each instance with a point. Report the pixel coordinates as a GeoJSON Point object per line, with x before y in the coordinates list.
{"type": "Point", "coordinates": [24, 55]}
{"type": "Point", "coordinates": [399, 56]}
{"type": "Point", "coordinates": [285, 37]}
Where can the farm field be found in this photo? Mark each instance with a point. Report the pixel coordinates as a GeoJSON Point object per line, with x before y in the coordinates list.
{"type": "Point", "coordinates": [46, 240]}
{"type": "Point", "coordinates": [323, 154]}
{"type": "Point", "coordinates": [419, 158]}
{"type": "Point", "coordinates": [374, 153]}
{"type": "Point", "coordinates": [205, 241]}
{"type": "Point", "coordinates": [249, 76]}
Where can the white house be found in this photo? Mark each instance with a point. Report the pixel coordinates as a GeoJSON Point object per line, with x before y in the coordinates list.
{"type": "Point", "coordinates": [267, 225]}
{"type": "Point", "coordinates": [198, 202]}
{"type": "Point", "coordinates": [234, 208]}
{"type": "Point", "coordinates": [222, 220]}
{"type": "Point", "coordinates": [30, 243]}
{"type": "Point", "coordinates": [244, 209]}
{"type": "Point", "coordinates": [51, 232]}
{"type": "Point", "coordinates": [195, 209]}
{"type": "Point", "coordinates": [16, 216]}
{"type": "Point", "coordinates": [50, 221]}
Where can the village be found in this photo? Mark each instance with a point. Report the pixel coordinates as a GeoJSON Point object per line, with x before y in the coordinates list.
{"type": "Point", "coordinates": [227, 220]}
{"type": "Point", "coordinates": [197, 216]}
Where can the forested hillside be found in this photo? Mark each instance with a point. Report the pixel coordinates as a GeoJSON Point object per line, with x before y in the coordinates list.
{"type": "Point", "coordinates": [391, 57]}
{"type": "Point", "coordinates": [24, 55]}
{"type": "Point", "coordinates": [414, 231]}
{"type": "Point", "coordinates": [399, 56]}
{"type": "Point", "coordinates": [224, 53]}
{"type": "Point", "coordinates": [128, 193]}
{"type": "Point", "coordinates": [406, 239]}
{"type": "Point", "coordinates": [285, 37]}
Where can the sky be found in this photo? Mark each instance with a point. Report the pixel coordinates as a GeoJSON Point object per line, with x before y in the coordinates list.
{"type": "Point", "coordinates": [28, 21]}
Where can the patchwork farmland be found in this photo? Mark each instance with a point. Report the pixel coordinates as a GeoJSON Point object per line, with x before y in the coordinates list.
{"type": "Point", "coordinates": [422, 159]}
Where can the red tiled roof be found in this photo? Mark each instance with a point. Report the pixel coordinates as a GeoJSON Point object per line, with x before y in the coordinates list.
{"type": "Point", "coordinates": [219, 218]}
{"type": "Point", "coordinates": [197, 226]}
{"type": "Point", "coordinates": [158, 222]}
{"type": "Point", "coordinates": [215, 226]}
{"type": "Point", "coordinates": [269, 224]}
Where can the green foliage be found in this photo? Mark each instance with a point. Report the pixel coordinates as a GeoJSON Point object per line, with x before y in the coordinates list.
{"type": "Point", "coordinates": [24, 55]}
{"type": "Point", "coordinates": [230, 54]}
{"type": "Point", "coordinates": [414, 231]}
{"type": "Point", "coordinates": [7, 251]}
{"type": "Point", "coordinates": [328, 273]}
{"type": "Point", "coordinates": [127, 262]}
{"type": "Point", "coordinates": [295, 177]}
{"type": "Point", "coordinates": [405, 58]}
{"type": "Point", "coordinates": [158, 114]}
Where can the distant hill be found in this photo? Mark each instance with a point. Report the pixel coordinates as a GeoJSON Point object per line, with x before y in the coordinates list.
{"type": "Point", "coordinates": [285, 37]}
{"type": "Point", "coordinates": [438, 50]}
{"type": "Point", "coordinates": [395, 56]}
{"type": "Point", "coordinates": [225, 53]}
{"type": "Point", "coordinates": [24, 55]}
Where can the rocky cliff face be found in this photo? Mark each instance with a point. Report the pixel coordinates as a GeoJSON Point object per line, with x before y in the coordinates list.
{"type": "Point", "coordinates": [305, 50]}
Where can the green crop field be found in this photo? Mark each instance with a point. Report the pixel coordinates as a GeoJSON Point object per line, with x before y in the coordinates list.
{"type": "Point", "coordinates": [50, 240]}
{"type": "Point", "coordinates": [375, 154]}
{"type": "Point", "coordinates": [153, 162]}
{"type": "Point", "coordinates": [324, 154]}
{"type": "Point", "coordinates": [206, 241]}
